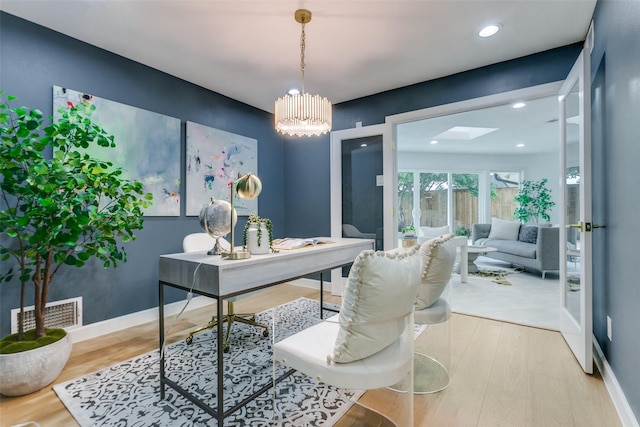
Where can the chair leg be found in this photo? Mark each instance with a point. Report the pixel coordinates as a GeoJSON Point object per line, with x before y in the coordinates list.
{"type": "Point", "coordinates": [212, 324]}
{"type": "Point", "coordinates": [229, 318]}
{"type": "Point", "coordinates": [247, 319]}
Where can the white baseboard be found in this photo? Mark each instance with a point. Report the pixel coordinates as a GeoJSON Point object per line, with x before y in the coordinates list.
{"type": "Point", "coordinates": [97, 329]}
{"type": "Point", "coordinates": [627, 418]}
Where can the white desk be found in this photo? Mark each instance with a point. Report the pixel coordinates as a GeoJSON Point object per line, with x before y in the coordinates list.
{"type": "Point", "coordinates": [220, 278]}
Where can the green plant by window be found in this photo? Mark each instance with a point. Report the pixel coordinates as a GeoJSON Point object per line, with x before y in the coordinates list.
{"type": "Point", "coordinates": [534, 201]}
{"type": "Point", "coordinates": [62, 210]}
{"type": "Point", "coordinates": [255, 219]}
{"type": "Point", "coordinates": [463, 231]}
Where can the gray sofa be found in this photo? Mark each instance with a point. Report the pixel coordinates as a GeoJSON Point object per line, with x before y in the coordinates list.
{"type": "Point", "coordinates": [542, 256]}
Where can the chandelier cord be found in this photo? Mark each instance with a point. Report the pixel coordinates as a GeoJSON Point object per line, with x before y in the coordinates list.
{"type": "Point", "coordinates": [302, 46]}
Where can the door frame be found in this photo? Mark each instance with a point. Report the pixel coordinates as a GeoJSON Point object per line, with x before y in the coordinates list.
{"type": "Point", "coordinates": [578, 335]}
{"type": "Point", "coordinates": [388, 171]}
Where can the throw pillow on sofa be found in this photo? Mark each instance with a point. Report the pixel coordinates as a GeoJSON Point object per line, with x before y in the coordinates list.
{"type": "Point", "coordinates": [528, 234]}
{"type": "Point", "coordinates": [504, 230]}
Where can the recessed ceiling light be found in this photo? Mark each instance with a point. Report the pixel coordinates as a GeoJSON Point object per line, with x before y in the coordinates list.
{"type": "Point", "coordinates": [518, 105]}
{"type": "Point", "coordinates": [294, 92]}
{"type": "Point", "coordinates": [363, 145]}
{"type": "Point", "coordinates": [433, 142]}
{"type": "Point", "coordinates": [489, 30]}
{"type": "Point", "coordinates": [520, 145]}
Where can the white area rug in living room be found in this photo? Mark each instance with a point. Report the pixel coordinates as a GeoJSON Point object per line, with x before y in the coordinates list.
{"type": "Point", "coordinates": [128, 394]}
{"type": "Point", "coordinates": [529, 300]}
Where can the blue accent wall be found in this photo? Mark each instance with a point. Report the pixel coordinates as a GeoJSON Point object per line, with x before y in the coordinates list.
{"type": "Point", "coordinates": [33, 59]}
{"type": "Point", "coordinates": [615, 70]}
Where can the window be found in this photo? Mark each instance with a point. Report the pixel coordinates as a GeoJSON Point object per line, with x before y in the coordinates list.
{"type": "Point", "coordinates": [504, 189]}
{"type": "Point", "coordinates": [441, 198]}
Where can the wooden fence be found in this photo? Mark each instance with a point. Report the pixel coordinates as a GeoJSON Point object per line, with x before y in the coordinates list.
{"type": "Point", "coordinates": [434, 207]}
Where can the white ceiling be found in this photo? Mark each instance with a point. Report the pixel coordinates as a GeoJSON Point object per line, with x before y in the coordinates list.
{"type": "Point", "coordinates": [250, 50]}
{"type": "Point", "coordinates": [535, 125]}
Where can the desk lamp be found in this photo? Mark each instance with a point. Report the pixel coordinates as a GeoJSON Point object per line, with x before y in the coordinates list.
{"type": "Point", "coordinates": [248, 187]}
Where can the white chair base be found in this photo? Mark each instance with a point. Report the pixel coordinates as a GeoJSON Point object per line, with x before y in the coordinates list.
{"type": "Point", "coordinates": [432, 358]}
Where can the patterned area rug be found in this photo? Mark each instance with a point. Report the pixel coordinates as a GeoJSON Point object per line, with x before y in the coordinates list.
{"type": "Point", "coordinates": [128, 394]}
{"type": "Point", "coordinates": [496, 274]}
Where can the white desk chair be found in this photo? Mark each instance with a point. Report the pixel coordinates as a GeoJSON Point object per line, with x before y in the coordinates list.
{"type": "Point", "coordinates": [203, 242]}
{"type": "Point", "coordinates": [369, 345]}
{"type": "Point", "coordinates": [432, 308]}
{"type": "Point", "coordinates": [426, 233]}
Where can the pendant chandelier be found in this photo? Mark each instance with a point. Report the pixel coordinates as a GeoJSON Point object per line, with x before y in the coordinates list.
{"type": "Point", "coordinates": [302, 114]}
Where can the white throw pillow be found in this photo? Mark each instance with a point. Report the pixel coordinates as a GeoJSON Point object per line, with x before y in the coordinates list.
{"type": "Point", "coordinates": [504, 230]}
{"type": "Point", "coordinates": [381, 285]}
{"type": "Point", "coordinates": [438, 257]}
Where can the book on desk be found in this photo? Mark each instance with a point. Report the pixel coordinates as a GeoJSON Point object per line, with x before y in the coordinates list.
{"type": "Point", "coordinates": [289, 243]}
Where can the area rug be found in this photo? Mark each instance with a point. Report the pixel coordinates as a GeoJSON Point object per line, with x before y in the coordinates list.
{"type": "Point", "coordinates": [496, 274]}
{"type": "Point", "coordinates": [529, 300]}
{"type": "Point", "coordinates": [128, 394]}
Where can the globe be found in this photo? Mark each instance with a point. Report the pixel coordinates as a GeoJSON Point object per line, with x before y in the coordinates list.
{"type": "Point", "coordinates": [215, 219]}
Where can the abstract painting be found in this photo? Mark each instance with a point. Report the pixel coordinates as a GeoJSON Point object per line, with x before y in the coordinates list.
{"type": "Point", "coordinates": [214, 160]}
{"type": "Point", "coordinates": [147, 146]}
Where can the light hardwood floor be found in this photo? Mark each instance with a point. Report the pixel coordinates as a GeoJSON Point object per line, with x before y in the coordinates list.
{"type": "Point", "coordinates": [502, 374]}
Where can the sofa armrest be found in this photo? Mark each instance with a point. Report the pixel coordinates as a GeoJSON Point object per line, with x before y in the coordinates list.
{"type": "Point", "coordinates": [480, 231]}
{"type": "Point", "coordinates": [548, 248]}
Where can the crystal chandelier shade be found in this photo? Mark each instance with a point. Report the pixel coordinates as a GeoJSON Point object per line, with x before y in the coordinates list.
{"type": "Point", "coordinates": [302, 114]}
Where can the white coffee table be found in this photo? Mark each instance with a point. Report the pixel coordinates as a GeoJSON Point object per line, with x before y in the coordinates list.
{"type": "Point", "coordinates": [473, 252]}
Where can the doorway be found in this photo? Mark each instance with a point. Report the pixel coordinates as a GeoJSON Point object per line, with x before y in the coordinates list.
{"type": "Point", "coordinates": [498, 141]}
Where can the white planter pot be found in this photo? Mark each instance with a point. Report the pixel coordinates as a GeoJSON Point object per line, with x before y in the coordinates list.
{"type": "Point", "coordinates": [252, 239]}
{"type": "Point", "coordinates": [29, 371]}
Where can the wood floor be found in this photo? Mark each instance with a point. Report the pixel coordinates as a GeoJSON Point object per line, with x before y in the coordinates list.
{"type": "Point", "coordinates": [501, 374]}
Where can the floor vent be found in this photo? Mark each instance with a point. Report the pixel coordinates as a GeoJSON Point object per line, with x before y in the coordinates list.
{"type": "Point", "coordinates": [65, 314]}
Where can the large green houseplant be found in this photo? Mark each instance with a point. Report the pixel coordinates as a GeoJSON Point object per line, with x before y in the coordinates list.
{"type": "Point", "coordinates": [59, 206]}
{"type": "Point", "coordinates": [534, 202]}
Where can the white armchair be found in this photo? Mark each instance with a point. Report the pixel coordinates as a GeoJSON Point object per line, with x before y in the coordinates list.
{"type": "Point", "coordinates": [369, 345]}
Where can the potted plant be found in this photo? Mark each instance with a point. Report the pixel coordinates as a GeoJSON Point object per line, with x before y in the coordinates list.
{"type": "Point", "coordinates": [463, 231]}
{"type": "Point", "coordinates": [534, 202]}
{"type": "Point", "coordinates": [57, 210]}
{"type": "Point", "coordinates": [257, 236]}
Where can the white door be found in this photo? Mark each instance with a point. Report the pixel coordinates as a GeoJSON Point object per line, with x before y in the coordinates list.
{"type": "Point", "coordinates": [576, 322]}
{"type": "Point", "coordinates": [361, 187]}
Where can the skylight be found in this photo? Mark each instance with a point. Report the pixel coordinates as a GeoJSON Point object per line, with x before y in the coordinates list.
{"type": "Point", "coordinates": [464, 133]}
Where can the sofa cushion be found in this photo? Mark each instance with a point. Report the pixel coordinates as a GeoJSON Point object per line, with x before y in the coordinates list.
{"type": "Point", "coordinates": [528, 234]}
{"type": "Point", "coordinates": [504, 230]}
{"type": "Point", "coordinates": [381, 286]}
{"type": "Point", "coordinates": [513, 247]}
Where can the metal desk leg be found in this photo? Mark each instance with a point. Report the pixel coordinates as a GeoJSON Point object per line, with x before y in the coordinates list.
{"type": "Point", "coordinates": [321, 295]}
{"type": "Point", "coordinates": [161, 332]}
{"type": "Point", "coordinates": [221, 414]}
